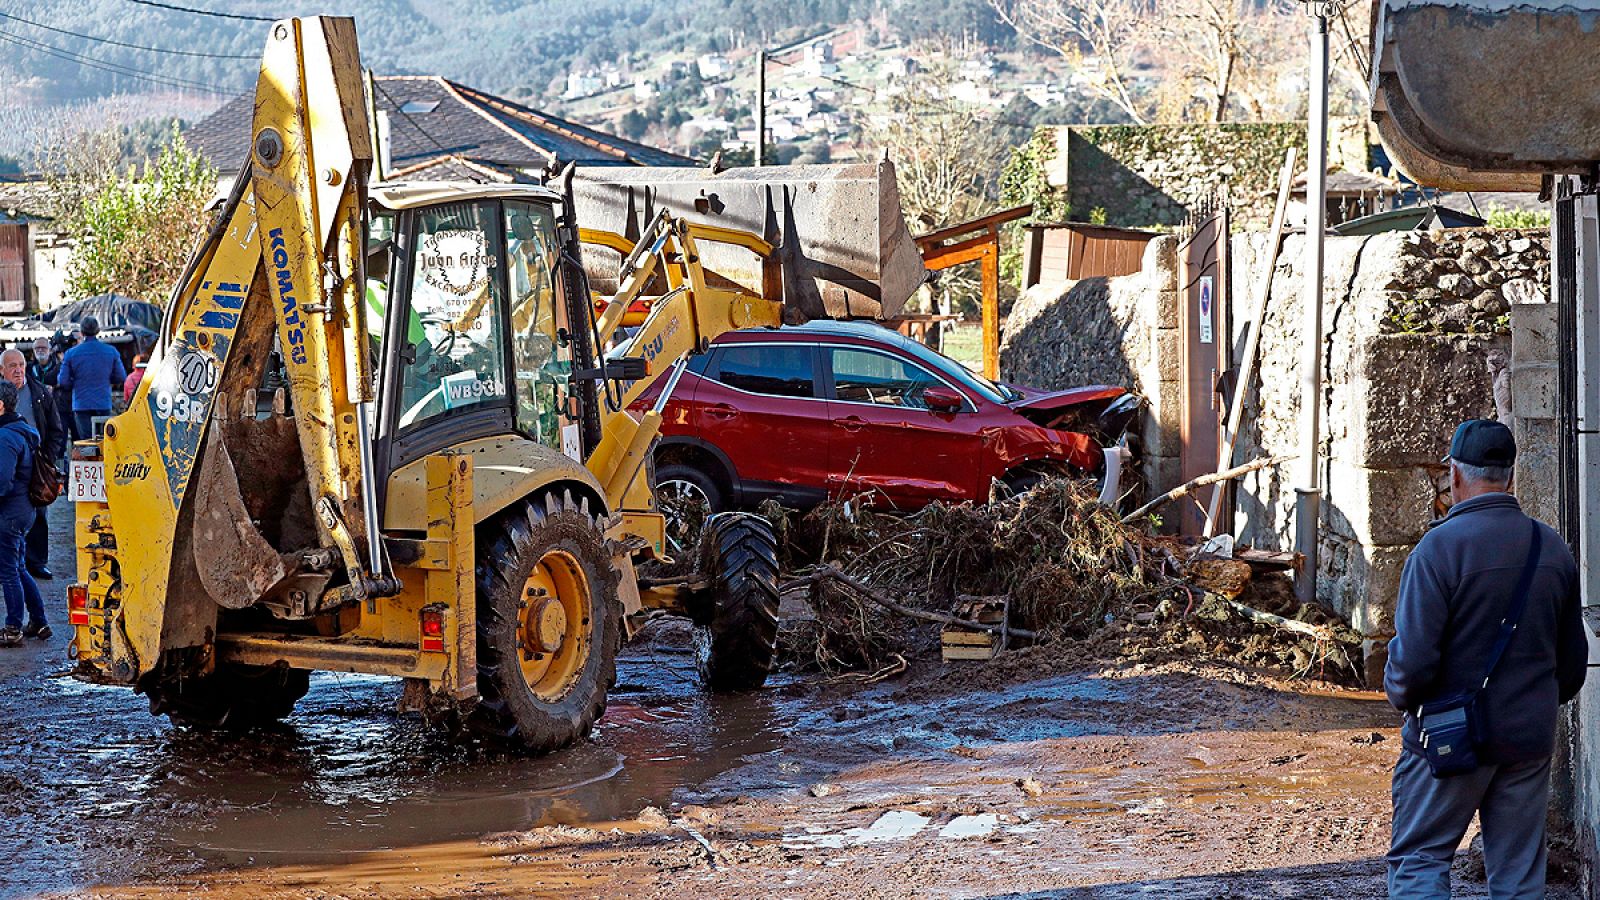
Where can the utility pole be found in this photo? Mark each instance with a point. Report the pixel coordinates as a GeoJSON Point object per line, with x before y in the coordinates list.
{"type": "Point", "coordinates": [1308, 491]}
{"type": "Point", "coordinates": [761, 107]}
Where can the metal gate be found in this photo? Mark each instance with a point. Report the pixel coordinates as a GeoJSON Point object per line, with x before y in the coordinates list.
{"type": "Point", "coordinates": [15, 283]}
{"type": "Point", "coordinates": [1205, 341]}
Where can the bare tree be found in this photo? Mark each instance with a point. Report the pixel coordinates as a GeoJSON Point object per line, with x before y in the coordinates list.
{"type": "Point", "coordinates": [945, 153]}
{"type": "Point", "coordinates": [1350, 34]}
{"type": "Point", "coordinates": [1102, 39]}
{"type": "Point", "coordinates": [1212, 59]}
{"type": "Point", "coordinates": [947, 156]}
{"type": "Point", "coordinates": [1220, 46]}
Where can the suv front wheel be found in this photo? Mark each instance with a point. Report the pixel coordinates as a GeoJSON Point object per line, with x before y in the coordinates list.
{"type": "Point", "coordinates": [687, 497]}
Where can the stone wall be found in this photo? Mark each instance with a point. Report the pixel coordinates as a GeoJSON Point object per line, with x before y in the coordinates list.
{"type": "Point", "coordinates": [1405, 360]}
{"type": "Point", "coordinates": [1154, 175]}
{"type": "Point", "coordinates": [1417, 335]}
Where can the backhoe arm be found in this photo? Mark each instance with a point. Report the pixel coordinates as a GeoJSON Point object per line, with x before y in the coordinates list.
{"type": "Point", "coordinates": [280, 271]}
{"type": "Point", "coordinates": [685, 318]}
{"type": "Point", "coordinates": [311, 154]}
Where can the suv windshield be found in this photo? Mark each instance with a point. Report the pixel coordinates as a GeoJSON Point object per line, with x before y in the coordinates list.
{"type": "Point", "coordinates": [996, 393]}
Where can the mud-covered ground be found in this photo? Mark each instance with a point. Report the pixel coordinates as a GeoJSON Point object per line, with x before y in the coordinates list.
{"type": "Point", "coordinates": [1036, 776]}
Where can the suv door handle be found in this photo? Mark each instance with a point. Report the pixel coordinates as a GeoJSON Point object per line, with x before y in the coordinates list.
{"type": "Point", "coordinates": [851, 423]}
{"type": "Point", "coordinates": [722, 411]}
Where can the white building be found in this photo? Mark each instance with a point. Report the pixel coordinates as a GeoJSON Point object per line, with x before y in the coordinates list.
{"type": "Point", "coordinates": [583, 84]}
{"type": "Point", "coordinates": [713, 65]}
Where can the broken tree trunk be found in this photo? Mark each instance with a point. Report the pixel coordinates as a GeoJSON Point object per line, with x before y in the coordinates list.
{"type": "Point", "coordinates": [1187, 488]}
{"type": "Point", "coordinates": [860, 589]}
{"type": "Point", "coordinates": [1294, 625]}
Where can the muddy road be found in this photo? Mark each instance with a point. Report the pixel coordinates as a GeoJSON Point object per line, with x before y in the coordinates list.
{"type": "Point", "coordinates": [1033, 777]}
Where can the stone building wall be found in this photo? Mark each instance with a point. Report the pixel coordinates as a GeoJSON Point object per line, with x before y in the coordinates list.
{"type": "Point", "coordinates": [1153, 175]}
{"type": "Point", "coordinates": [1416, 329]}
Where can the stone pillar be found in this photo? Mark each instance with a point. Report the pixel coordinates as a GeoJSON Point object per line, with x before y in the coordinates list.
{"type": "Point", "coordinates": [1161, 372]}
{"type": "Point", "coordinates": [1534, 376]}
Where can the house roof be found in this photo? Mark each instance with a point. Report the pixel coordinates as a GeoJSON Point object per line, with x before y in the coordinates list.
{"type": "Point", "coordinates": [24, 198]}
{"type": "Point", "coordinates": [1423, 217]}
{"type": "Point", "coordinates": [433, 120]}
{"type": "Point", "coordinates": [1341, 182]}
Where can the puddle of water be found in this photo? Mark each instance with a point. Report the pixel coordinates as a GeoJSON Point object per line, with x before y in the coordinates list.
{"type": "Point", "coordinates": [970, 826]}
{"type": "Point", "coordinates": [893, 826]}
{"type": "Point", "coordinates": [119, 795]}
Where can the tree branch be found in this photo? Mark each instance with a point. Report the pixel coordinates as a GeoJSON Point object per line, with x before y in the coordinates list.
{"type": "Point", "coordinates": [833, 573]}
{"type": "Point", "coordinates": [1214, 477]}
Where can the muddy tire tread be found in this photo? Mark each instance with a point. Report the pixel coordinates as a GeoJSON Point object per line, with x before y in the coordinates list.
{"type": "Point", "coordinates": [740, 648]}
{"type": "Point", "coordinates": [233, 697]}
{"type": "Point", "coordinates": [507, 715]}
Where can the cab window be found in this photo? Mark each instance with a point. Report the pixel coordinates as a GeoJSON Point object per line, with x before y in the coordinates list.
{"type": "Point", "coordinates": [865, 376]}
{"type": "Point", "coordinates": [778, 370]}
{"type": "Point", "coordinates": [455, 348]}
{"type": "Point", "coordinates": [540, 361]}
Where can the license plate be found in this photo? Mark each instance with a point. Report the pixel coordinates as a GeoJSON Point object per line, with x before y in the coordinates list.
{"type": "Point", "coordinates": [86, 482]}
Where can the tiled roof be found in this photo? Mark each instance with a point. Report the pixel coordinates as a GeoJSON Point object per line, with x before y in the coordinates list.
{"type": "Point", "coordinates": [1339, 181]}
{"type": "Point", "coordinates": [25, 198]}
{"type": "Point", "coordinates": [459, 168]}
{"type": "Point", "coordinates": [432, 119]}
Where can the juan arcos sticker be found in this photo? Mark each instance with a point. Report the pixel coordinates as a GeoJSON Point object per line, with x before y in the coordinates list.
{"type": "Point", "coordinates": [456, 261]}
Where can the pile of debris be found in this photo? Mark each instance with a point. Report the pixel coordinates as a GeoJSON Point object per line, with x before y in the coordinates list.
{"type": "Point", "coordinates": [1048, 566]}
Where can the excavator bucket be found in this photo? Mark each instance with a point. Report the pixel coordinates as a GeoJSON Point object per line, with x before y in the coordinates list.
{"type": "Point", "coordinates": [843, 245]}
{"type": "Point", "coordinates": [1487, 94]}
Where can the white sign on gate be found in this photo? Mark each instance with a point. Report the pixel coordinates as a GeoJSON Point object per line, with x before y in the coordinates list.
{"type": "Point", "coordinates": [1206, 334]}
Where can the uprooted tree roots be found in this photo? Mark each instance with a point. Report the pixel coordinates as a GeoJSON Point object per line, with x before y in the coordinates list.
{"type": "Point", "coordinates": [1063, 567]}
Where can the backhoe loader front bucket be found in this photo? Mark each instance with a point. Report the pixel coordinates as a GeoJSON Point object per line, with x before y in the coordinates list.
{"type": "Point", "coordinates": [1487, 95]}
{"type": "Point", "coordinates": [843, 245]}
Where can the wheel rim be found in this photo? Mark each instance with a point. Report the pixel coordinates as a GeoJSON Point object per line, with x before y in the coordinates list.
{"type": "Point", "coordinates": [677, 496]}
{"type": "Point", "coordinates": [553, 634]}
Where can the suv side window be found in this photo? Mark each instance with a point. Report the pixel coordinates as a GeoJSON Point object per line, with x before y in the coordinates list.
{"type": "Point", "coordinates": [777, 370]}
{"type": "Point", "coordinates": [866, 376]}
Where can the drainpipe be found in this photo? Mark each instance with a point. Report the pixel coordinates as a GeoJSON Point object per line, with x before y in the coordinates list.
{"type": "Point", "coordinates": [1308, 492]}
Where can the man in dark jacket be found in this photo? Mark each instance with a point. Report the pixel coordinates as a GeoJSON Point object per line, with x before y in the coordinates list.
{"type": "Point", "coordinates": [17, 443]}
{"type": "Point", "coordinates": [37, 405]}
{"type": "Point", "coordinates": [1458, 586]}
{"type": "Point", "coordinates": [45, 362]}
{"type": "Point", "coordinates": [89, 372]}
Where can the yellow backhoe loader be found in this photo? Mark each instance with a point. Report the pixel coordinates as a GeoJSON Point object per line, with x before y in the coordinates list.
{"type": "Point", "coordinates": [388, 428]}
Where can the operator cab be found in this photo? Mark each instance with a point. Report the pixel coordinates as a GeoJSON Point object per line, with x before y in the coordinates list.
{"type": "Point", "coordinates": [469, 294]}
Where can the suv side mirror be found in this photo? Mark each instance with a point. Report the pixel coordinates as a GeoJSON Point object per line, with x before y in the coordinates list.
{"type": "Point", "coordinates": [942, 399]}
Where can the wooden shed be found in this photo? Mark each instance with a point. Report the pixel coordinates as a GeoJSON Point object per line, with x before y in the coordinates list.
{"type": "Point", "coordinates": [16, 283]}
{"type": "Point", "coordinates": [1074, 250]}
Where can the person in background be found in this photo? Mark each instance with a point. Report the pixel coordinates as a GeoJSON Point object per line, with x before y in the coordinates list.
{"type": "Point", "coordinates": [90, 371]}
{"type": "Point", "coordinates": [45, 363]}
{"type": "Point", "coordinates": [59, 345]}
{"type": "Point", "coordinates": [17, 442]}
{"type": "Point", "coordinates": [37, 406]}
{"type": "Point", "coordinates": [131, 383]}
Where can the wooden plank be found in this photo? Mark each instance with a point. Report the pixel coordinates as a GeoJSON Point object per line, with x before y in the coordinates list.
{"type": "Point", "coordinates": [990, 221]}
{"type": "Point", "coordinates": [14, 287]}
{"type": "Point", "coordinates": [966, 251]}
{"type": "Point", "coordinates": [1241, 387]}
{"type": "Point", "coordinates": [1268, 559]}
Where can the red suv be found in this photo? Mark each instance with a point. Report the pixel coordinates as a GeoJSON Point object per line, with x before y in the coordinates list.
{"type": "Point", "coordinates": [829, 409]}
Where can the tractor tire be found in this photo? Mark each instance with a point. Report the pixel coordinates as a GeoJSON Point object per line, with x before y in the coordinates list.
{"type": "Point", "coordinates": [549, 625]}
{"type": "Point", "coordinates": [234, 697]}
{"type": "Point", "coordinates": [738, 637]}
